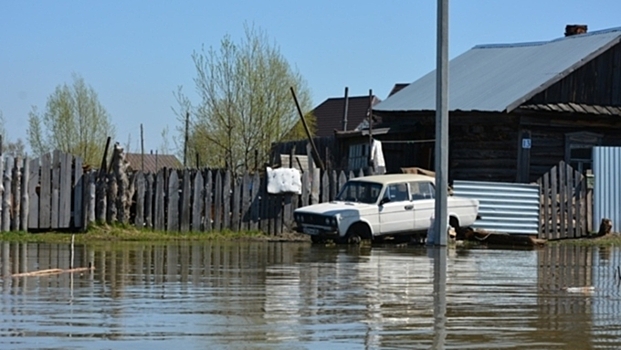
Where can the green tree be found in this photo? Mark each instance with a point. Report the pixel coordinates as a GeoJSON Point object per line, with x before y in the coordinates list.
{"type": "Point", "coordinates": [245, 102]}
{"type": "Point", "coordinates": [74, 121]}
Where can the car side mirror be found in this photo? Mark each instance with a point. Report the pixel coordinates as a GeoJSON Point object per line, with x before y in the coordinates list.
{"type": "Point", "coordinates": [384, 201]}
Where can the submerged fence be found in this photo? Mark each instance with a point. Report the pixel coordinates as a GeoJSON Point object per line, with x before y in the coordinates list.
{"type": "Point", "coordinates": [54, 192]}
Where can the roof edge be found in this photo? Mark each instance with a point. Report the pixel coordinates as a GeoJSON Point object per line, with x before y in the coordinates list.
{"type": "Point", "coordinates": [563, 74]}
{"type": "Point", "coordinates": [538, 43]}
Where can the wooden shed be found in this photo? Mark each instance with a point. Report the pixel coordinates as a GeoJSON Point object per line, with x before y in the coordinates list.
{"type": "Point", "coordinates": [516, 110]}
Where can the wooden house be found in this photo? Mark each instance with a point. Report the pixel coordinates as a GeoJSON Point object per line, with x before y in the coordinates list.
{"type": "Point", "coordinates": [516, 110]}
{"type": "Point", "coordinates": [152, 163]}
{"type": "Point", "coordinates": [330, 114]}
{"type": "Point", "coordinates": [334, 116]}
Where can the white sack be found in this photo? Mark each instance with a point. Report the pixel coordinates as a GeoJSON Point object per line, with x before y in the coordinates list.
{"type": "Point", "coordinates": [284, 180]}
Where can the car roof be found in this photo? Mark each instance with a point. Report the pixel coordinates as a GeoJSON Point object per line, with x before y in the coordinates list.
{"type": "Point", "coordinates": [392, 178]}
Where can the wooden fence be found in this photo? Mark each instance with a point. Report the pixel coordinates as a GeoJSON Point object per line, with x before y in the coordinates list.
{"type": "Point", "coordinates": [566, 204]}
{"type": "Point", "coordinates": [54, 193]}
{"type": "Point", "coordinates": [41, 194]}
{"type": "Point", "coordinates": [208, 200]}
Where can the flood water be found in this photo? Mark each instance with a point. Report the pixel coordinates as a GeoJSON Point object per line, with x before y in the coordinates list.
{"type": "Point", "coordinates": [297, 296]}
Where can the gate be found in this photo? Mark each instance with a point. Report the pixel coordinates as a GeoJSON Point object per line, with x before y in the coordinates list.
{"type": "Point", "coordinates": [565, 203]}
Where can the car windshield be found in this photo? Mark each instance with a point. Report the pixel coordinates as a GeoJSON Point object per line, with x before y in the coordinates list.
{"type": "Point", "coordinates": [360, 191]}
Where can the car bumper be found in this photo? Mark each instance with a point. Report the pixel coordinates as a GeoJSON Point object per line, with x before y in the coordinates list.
{"type": "Point", "coordinates": [318, 231]}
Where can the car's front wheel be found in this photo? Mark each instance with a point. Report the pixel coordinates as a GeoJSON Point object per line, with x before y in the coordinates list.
{"type": "Point", "coordinates": [356, 234]}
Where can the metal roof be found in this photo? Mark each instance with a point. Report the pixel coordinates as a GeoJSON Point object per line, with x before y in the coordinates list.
{"type": "Point", "coordinates": [153, 162]}
{"type": "Point", "coordinates": [500, 77]}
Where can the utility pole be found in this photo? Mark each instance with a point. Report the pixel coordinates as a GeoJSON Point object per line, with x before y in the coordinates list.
{"type": "Point", "coordinates": [345, 108]}
{"type": "Point", "coordinates": [442, 119]}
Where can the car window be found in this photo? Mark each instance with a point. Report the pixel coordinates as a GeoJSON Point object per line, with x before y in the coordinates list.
{"type": "Point", "coordinates": [422, 190]}
{"type": "Point", "coordinates": [360, 191]}
{"type": "Point", "coordinates": [396, 192]}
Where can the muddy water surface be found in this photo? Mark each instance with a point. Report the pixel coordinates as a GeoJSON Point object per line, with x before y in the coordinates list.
{"type": "Point", "coordinates": [298, 296]}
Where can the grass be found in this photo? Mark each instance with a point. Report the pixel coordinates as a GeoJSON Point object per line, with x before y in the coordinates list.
{"type": "Point", "coordinates": [609, 240]}
{"type": "Point", "coordinates": [122, 233]}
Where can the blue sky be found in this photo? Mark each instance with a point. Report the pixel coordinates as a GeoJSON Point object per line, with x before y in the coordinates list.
{"type": "Point", "coordinates": [136, 53]}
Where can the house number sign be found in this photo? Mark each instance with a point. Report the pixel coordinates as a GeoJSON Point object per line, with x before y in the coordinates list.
{"type": "Point", "coordinates": [526, 143]}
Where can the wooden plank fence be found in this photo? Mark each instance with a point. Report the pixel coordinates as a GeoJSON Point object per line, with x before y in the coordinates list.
{"type": "Point", "coordinates": [214, 200]}
{"type": "Point", "coordinates": [566, 204]}
{"type": "Point", "coordinates": [54, 193]}
{"type": "Point", "coordinates": [41, 194]}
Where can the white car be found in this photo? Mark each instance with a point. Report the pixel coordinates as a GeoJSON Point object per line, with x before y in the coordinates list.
{"type": "Point", "coordinates": [376, 206]}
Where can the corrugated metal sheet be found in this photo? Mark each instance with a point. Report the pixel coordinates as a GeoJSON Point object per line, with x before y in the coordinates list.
{"type": "Point", "coordinates": [607, 186]}
{"type": "Point", "coordinates": [503, 207]}
{"type": "Point", "coordinates": [501, 77]}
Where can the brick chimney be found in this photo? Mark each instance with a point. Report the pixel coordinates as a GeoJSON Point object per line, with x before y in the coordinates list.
{"type": "Point", "coordinates": [574, 29]}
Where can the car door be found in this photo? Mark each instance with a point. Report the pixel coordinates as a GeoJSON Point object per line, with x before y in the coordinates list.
{"type": "Point", "coordinates": [395, 210]}
{"type": "Point", "coordinates": [423, 199]}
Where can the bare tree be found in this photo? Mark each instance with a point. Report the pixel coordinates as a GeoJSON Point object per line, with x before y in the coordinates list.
{"type": "Point", "coordinates": [74, 121]}
{"type": "Point", "coordinates": [245, 102]}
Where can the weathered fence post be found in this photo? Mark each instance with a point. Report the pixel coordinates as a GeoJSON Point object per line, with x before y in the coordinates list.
{"type": "Point", "coordinates": [226, 199]}
{"type": "Point", "coordinates": [45, 192]}
{"type": "Point", "coordinates": [197, 201]}
{"type": "Point", "coordinates": [33, 183]}
{"type": "Point", "coordinates": [209, 211]}
{"type": "Point", "coordinates": [245, 198]}
{"type": "Point", "coordinates": [6, 196]}
{"type": "Point", "coordinates": [91, 190]}
{"type": "Point", "coordinates": [55, 194]}
{"type": "Point", "coordinates": [287, 217]}
{"type": "Point", "coordinates": [264, 208]}
{"type": "Point", "coordinates": [173, 201]}
{"type": "Point", "coordinates": [342, 180]}
{"type": "Point", "coordinates": [148, 201]}
{"type": "Point", "coordinates": [334, 185]}
{"type": "Point", "coordinates": [25, 208]}
{"type": "Point", "coordinates": [186, 196]}
{"type": "Point", "coordinates": [124, 189]}
{"type": "Point", "coordinates": [217, 220]}
{"type": "Point", "coordinates": [325, 187]}
{"type": "Point", "coordinates": [16, 190]}
{"type": "Point", "coordinates": [102, 200]}
{"type": "Point", "coordinates": [65, 186]}
{"type": "Point", "coordinates": [236, 207]}
{"type": "Point", "coordinates": [255, 198]}
{"type": "Point", "coordinates": [79, 187]}
{"type": "Point", "coordinates": [2, 190]}
{"type": "Point", "coordinates": [140, 193]}
{"type": "Point", "coordinates": [111, 215]}
{"type": "Point", "coordinates": [305, 188]}
{"type": "Point", "coordinates": [315, 185]}
{"type": "Point", "coordinates": [158, 216]}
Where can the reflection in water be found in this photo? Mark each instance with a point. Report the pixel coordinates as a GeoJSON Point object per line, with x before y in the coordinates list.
{"type": "Point", "coordinates": [438, 255]}
{"type": "Point", "coordinates": [283, 295]}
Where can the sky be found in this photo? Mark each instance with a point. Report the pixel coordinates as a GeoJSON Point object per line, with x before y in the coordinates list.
{"type": "Point", "coordinates": [135, 54]}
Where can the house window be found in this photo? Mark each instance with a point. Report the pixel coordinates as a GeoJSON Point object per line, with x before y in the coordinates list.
{"type": "Point", "coordinates": [358, 156]}
{"type": "Point", "coordinates": [579, 149]}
